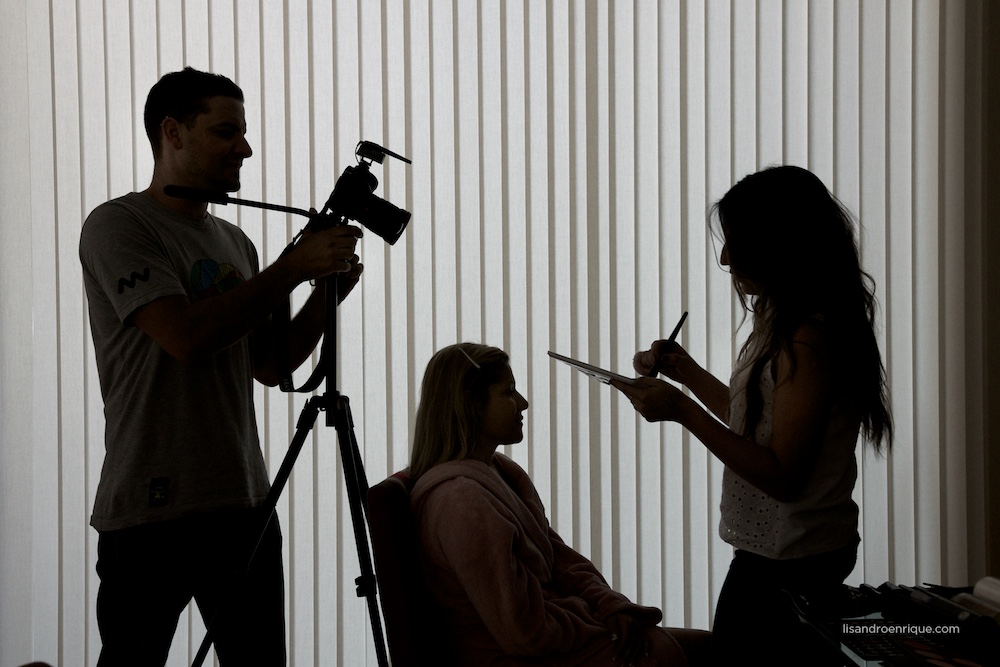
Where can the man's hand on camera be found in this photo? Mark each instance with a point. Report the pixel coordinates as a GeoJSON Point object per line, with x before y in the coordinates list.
{"type": "Point", "coordinates": [349, 279]}
{"type": "Point", "coordinates": [327, 251]}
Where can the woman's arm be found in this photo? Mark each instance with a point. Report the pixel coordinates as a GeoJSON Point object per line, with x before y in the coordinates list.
{"type": "Point", "coordinates": [465, 532]}
{"type": "Point", "coordinates": [574, 574]}
{"type": "Point", "coordinates": [803, 398]}
{"type": "Point", "coordinates": [673, 361]}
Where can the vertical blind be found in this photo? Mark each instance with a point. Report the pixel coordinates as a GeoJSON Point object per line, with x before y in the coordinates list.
{"type": "Point", "coordinates": [565, 154]}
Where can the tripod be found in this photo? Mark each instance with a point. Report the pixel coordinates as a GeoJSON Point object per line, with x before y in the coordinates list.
{"type": "Point", "coordinates": [352, 198]}
{"type": "Point", "coordinates": [338, 411]}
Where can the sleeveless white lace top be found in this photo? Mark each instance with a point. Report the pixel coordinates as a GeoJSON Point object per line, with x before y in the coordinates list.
{"type": "Point", "coordinates": [822, 519]}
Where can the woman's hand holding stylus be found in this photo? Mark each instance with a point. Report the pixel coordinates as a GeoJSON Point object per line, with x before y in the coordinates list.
{"type": "Point", "coordinates": [675, 363]}
{"type": "Point", "coordinates": [654, 369]}
{"type": "Point", "coordinates": [668, 358]}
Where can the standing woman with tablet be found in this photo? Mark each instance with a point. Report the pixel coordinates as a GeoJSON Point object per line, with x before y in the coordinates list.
{"type": "Point", "coordinates": [808, 381]}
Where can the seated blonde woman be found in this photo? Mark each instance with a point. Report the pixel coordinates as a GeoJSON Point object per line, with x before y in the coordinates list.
{"type": "Point", "coordinates": [513, 593]}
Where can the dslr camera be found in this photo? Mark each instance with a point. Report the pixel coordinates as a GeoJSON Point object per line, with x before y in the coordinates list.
{"type": "Point", "coordinates": [354, 198]}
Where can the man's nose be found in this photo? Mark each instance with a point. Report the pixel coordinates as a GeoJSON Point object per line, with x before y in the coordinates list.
{"type": "Point", "coordinates": [244, 148]}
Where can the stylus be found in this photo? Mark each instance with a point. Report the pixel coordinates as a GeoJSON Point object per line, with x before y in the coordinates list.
{"type": "Point", "coordinates": [655, 370]}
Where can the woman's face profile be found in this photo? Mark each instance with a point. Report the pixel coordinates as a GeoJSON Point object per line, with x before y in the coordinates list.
{"type": "Point", "coordinates": [503, 422]}
{"type": "Point", "coordinates": [746, 285]}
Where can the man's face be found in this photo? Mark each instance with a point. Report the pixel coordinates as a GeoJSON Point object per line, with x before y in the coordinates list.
{"type": "Point", "coordinates": [212, 150]}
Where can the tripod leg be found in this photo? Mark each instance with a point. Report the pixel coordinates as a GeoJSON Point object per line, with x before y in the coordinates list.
{"type": "Point", "coordinates": [357, 487]}
{"type": "Point", "coordinates": [307, 419]}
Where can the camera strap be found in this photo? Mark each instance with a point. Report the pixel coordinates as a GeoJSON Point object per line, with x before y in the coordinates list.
{"type": "Point", "coordinates": [281, 322]}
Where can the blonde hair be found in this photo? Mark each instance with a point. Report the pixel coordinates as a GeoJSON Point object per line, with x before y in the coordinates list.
{"type": "Point", "coordinates": [453, 398]}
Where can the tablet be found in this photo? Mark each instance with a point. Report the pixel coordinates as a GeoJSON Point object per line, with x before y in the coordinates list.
{"type": "Point", "coordinates": [599, 374]}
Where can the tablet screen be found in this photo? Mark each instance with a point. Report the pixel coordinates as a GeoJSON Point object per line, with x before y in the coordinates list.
{"type": "Point", "coordinates": [601, 375]}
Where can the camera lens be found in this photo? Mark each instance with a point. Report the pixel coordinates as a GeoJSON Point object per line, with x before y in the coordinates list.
{"type": "Point", "coordinates": [383, 218]}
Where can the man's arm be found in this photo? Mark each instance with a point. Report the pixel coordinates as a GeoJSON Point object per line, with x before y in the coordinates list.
{"type": "Point", "coordinates": [187, 330]}
{"type": "Point", "coordinates": [304, 330]}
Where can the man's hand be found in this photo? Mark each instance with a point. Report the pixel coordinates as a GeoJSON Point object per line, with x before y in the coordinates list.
{"type": "Point", "coordinates": [347, 280]}
{"type": "Point", "coordinates": [321, 253]}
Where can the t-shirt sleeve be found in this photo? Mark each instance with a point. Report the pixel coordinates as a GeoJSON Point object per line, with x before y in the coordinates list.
{"type": "Point", "coordinates": [126, 260]}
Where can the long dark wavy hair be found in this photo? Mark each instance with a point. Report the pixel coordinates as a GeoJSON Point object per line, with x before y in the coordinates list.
{"type": "Point", "coordinates": [792, 244]}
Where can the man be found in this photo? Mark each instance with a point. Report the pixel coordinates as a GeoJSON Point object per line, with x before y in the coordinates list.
{"type": "Point", "coordinates": [180, 316]}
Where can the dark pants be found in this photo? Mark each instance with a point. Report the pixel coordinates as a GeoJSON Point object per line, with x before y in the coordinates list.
{"type": "Point", "coordinates": [150, 573]}
{"type": "Point", "coordinates": [754, 619]}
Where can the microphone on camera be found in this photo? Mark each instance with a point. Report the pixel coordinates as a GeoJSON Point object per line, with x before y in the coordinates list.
{"type": "Point", "coordinates": [194, 194]}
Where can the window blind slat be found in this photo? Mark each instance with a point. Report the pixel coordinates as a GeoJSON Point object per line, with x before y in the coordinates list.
{"type": "Point", "coordinates": [564, 158]}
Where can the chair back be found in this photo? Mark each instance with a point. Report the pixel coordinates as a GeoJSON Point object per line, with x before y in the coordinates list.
{"type": "Point", "coordinates": [411, 620]}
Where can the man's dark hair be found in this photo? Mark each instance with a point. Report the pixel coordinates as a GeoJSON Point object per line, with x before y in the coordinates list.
{"type": "Point", "coordinates": [182, 96]}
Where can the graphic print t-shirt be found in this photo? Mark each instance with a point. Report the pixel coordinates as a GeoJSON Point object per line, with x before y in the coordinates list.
{"type": "Point", "coordinates": [180, 437]}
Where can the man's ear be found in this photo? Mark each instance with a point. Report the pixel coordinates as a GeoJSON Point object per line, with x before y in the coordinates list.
{"type": "Point", "coordinates": [170, 133]}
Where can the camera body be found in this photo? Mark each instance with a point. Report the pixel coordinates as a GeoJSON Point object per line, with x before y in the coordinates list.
{"type": "Point", "coordinates": [354, 197]}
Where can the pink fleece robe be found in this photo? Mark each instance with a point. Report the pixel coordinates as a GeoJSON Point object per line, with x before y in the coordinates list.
{"type": "Point", "coordinates": [512, 591]}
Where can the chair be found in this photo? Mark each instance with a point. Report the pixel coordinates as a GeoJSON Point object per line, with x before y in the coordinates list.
{"type": "Point", "coordinates": [411, 619]}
